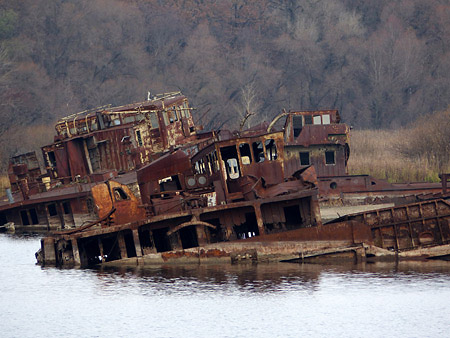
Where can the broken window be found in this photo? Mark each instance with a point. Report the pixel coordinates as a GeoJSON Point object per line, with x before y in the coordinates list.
{"type": "Point", "coordinates": [66, 208]}
{"type": "Point", "coordinates": [90, 205]}
{"type": "Point", "coordinates": [52, 210]}
{"type": "Point", "coordinates": [216, 161]}
{"type": "Point", "coordinates": [24, 217]}
{"type": "Point", "coordinates": [258, 151]}
{"type": "Point", "coordinates": [230, 156]}
{"type": "Point", "coordinates": [34, 216]}
{"type": "Point", "coordinates": [171, 183]}
{"type": "Point", "coordinates": [271, 149]}
{"type": "Point", "coordinates": [232, 168]}
{"type": "Point", "coordinates": [329, 157]}
{"type": "Point", "coordinates": [119, 194]}
{"type": "Point", "coordinates": [246, 155]}
{"type": "Point", "coordinates": [308, 119]}
{"type": "Point", "coordinates": [154, 120]}
{"type": "Point", "coordinates": [94, 125]}
{"type": "Point", "coordinates": [51, 158]}
{"type": "Point", "coordinates": [304, 158]}
{"type": "Point", "coordinates": [139, 138]}
{"type": "Point", "coordinates": [129, 119]}
{"type": "Point", "coordinates": [317, 119]}
{"type": "Point", "coordinates": [171, 115]}
{"type": "Point", "coordinates": [326, 119]}
{"type": "Point", "coordinates": [174, 114]}
{"type": "Point", "coordinates": [179, 112]}
{"type": "Point", "coordinates": [297, 122]}
{"type": "Point", "coordinates": [166, 118]}
{"type": "Point", "coordinates": [200, 167]}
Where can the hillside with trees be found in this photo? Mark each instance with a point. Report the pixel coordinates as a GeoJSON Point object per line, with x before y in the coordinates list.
{"type": "Point", "coordinates": [383, 64]}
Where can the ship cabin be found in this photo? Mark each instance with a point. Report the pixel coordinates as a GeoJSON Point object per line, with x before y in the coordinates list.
{"type": "Point", "coordinates": [223, 171]}
{"type": "Point", "coordinates": [230, 190]}
{"type": "Point", "coordinates": [70, 206]}
{"type": "Point", "coordinates": [317, 138]}
{"type": "Point", "coordinates": [119, 138]}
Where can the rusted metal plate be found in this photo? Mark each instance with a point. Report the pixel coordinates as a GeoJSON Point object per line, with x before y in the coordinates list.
{"type": "Point", "coordinates": [409, 226]}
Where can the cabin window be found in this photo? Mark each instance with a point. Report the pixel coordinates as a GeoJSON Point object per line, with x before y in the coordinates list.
{"type": "Point", "coordinates": [52, 210]}
{"type": "Point", "coordinates": [129, 119]}
{"type": "Point", "coordinates": [24, 217]}
{"type": "Point", "coordinates": [329, 157]}
{"type": "Point", "coordinates": [216, 161]}
{"type": "Point", "coordinates": [120, 195]}
{"type": "Point", "coordinates": [232, 168]}
{"type": "Point", "coordinates": [258, 151]}
{"type": "Point", "coordinates": [297, 122]}
{"type": "Point", "coordinates": [179, 109]}
{"type": "Point", "coordinates": [166, 118]}
{"type": "Point", "coordinates": [90, 205]}
{"type": "Point", "coordinates": [66, 208]}
{"type": "Point", "coordinates": [154, 120]}
{"type": "Point", "coordinates": [304, 158]}
{"type": "Point", "coordinates": [317, 119]}
{"type": "Point", "coordinates": [271, 149]}
{"type": "Point", "coordinates": [326, 119]}
{"type": "Point", "coordinates": [34, 216]}
{"type": "Point", "coordinates": [171, 183]}
{"type": "Point", "coordinates": [51, 158]}
{"type": "Point", "coordinates": [308, 119]}
{"type": "Point", "coordinates": [230, 156]}
{"type": "Point", "coordinates": [200, 167]}
{"type": "Point", "coordinates": [246, 155]}
{"type": "Point", "coordinates": [182, 111]}
{"type": "Point", "coordinates": [139, 138]}
{"type": "Point", "coordinates": [174, 114]}
{"type": "Point", "coordinates": [210, 164]}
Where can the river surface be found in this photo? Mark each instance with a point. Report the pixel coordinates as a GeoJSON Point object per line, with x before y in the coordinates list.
{"type": "Point", "coordinates": [264, 300]}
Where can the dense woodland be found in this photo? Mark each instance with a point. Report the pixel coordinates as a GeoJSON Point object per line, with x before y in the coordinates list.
{"type": "Point", "coordinates": [382, 63]}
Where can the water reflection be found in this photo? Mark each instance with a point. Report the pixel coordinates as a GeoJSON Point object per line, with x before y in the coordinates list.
{"type": "Point", "coordinates": [244, 300]}
{"type": "Point", "coordinates": [265, 278]}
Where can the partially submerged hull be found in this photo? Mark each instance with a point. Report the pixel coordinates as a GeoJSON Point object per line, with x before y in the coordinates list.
{"type": "Point", "coordinates": [414, 231]}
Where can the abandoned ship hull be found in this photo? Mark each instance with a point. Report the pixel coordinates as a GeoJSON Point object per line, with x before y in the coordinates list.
{"type": "Point", "coordinates": [414, 231]}
{"type": "Point", "coordinates": [123, 245]}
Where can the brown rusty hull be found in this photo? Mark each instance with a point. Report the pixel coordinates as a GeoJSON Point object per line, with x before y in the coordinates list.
{"type": "Point", "coordinates": [281, 227]}
{"type": "Point", "coordinates": [347, 240]}
{"type": "Point", "coordinates": [379, 235]}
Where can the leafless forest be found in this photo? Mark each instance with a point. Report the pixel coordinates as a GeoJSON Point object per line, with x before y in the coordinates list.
{"type": "Point", "coordinates": [382, 63]}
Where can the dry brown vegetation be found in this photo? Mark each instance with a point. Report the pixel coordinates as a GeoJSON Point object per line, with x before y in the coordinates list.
{"type": "Point", "coordinates": [415, 154]}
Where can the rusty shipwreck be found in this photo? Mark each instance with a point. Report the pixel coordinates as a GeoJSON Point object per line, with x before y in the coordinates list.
{"type": "Point", "coordinates": [143, 183]}
{"type": "Point", "coordinates": [237, 200]}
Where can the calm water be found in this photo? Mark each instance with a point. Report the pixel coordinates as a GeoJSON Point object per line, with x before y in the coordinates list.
{"type": "Point", "coordinates": [266, 300]}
